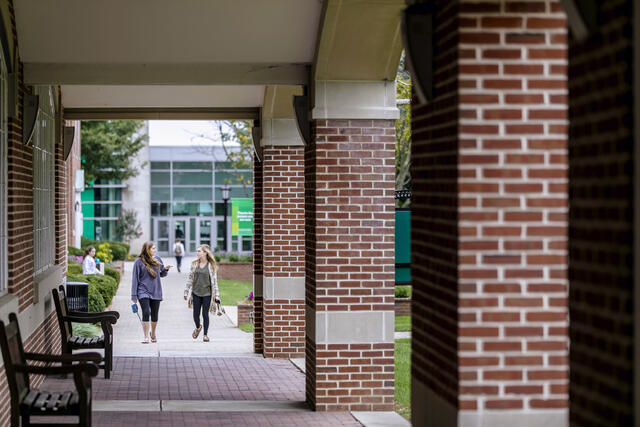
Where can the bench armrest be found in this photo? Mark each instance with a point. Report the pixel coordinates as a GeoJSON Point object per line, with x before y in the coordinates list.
{"type": "Point", "coordinates": [65, 358]}
{"type": "Point", "coordinates": [92, 319]}
{"type": "Point", "coordinates": [85, 314]}
{"type": "Point", "coordinates": [88, 368]}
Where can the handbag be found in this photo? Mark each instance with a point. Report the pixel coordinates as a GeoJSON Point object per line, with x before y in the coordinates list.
{"type": "Point", "coordinates": [217, 309]}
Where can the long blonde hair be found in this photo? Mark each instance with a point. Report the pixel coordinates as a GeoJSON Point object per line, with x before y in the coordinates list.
{"type": "Point", "coordinates": [147, 259]}
{"type": "Point", "coordinates": [210, 259]}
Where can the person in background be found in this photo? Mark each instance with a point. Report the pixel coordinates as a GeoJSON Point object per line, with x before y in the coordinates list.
{"type": "Point", "coordinates": [146, 287]}
{"type": "Point", "coordinates": [203, 284]}
{"type": "Point", "coordinates": [178, 251]}
{"type": "Point", "coordinates": [89, 261]}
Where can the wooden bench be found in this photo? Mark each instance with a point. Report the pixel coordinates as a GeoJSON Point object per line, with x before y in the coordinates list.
{"type": "Point", "coordinates": [27, 402]}
{"type": "Point", "coordinates": [72, 342]}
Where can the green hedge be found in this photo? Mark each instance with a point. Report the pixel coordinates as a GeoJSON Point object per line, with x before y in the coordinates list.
{"type": "Point", "coordinates": [101, 289]}
{"type": "Point", "coordinates": [120, 250]}
{"type": "Point", "coordinates": [112, 272]}
{"type": "Point", "coordinates": [107, 286]}
{"type": "Point", "coordinates": [108, 271]}
{"type": "Point", "coordinates": [96, 302]}
{"type": "Point", "coordinates": [75, 251]}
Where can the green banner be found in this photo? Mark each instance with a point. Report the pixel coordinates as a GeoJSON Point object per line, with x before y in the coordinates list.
{"type": "Point", "coordinates": [242, 217]}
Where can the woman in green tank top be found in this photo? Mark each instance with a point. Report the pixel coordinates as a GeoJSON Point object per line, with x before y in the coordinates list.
{"type": "Point", "coordinates": [203, 283]}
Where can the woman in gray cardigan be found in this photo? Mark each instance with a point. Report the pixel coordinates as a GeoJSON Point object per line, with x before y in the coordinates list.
{"type": "Point", "coordinates": [203, 284]}
{"type": "Point", "coordinates": [146, 287]}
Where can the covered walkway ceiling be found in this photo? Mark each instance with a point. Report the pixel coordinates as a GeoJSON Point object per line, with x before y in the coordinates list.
{"type": "Point", "coordinates": [199, 58]}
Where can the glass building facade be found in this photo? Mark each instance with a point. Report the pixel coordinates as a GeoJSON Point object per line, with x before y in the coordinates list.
{"type": "Point", "coordinates": [101, 206]}
{"type": "Point", "coordinates": [186, 204]}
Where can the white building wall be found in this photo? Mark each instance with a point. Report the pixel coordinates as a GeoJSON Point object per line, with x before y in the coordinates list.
{"type": "Point", "coordinates": [137, 194]}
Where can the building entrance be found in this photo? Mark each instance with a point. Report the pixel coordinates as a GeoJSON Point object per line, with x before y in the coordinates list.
{"type": "Point", "coordinates": [192, 231]}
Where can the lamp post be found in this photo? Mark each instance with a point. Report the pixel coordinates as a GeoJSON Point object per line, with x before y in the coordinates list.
{"type": "Point", "coordinates": [224, 190]}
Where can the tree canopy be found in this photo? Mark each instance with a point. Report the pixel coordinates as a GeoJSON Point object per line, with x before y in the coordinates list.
{"type": "Point", "coordinates": [108, 146]}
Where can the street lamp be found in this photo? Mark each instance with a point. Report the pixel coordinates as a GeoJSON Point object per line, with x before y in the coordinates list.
{"type": "Point", "coordinates": [224, 190]}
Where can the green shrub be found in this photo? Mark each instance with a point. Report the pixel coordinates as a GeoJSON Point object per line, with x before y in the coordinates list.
{"type": "Point", "coordinates": [218, 258]}
{"type": "Point", "coordinates": [96, 302]}
{"type": "Point", "coordinates": [77, 278]}
{"type": "Point", "coordinates": [104, 253]}
{"type": "Point", "coordinates": [106, 286]}
{"type": "Point", "coordinates": [403, 291]}
{"type": "Point", "coordinates": [74, 269]}
{"type": "Point", "coordinates": [233, 258]}
{"type": "Point", "coordinates": [112, 272]}
{"type": "Point", "coordinates": [99, 288]}
{"type": "Point", "coordinates": [75, 251]}
{"type": "Point", "coordinates": [119, 249]}
{"type": "Point", "coordinates": [246, 258]}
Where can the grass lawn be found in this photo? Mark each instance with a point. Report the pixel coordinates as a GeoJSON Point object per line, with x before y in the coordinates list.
{"type": "Point", "coordinates": [232, 291]}
{"type": "Point", "coordinates": [403, 377]}
{"type": "Point", "coordinates": [246, 327]}
{"type": "Point", "coordinates": [403, 323]}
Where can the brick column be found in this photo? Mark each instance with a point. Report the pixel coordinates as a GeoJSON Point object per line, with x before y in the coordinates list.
{"type": "Point", "coordinates": [283, 285]}
{"type": "Point", "coordinates": [490, 343]}
{"type": "Point", "coordinates": [602, 252]}
{"type": "Point", "coordinates": [257, 256]}
{"type": "Point", "coordinates": [349, 191]}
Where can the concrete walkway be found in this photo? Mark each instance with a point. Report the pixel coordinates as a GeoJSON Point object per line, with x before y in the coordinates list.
{"type": "Point", "coordinates": [175, 324]}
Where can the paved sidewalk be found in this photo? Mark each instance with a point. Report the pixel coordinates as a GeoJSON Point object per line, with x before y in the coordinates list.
{"type": "Point", "coordinates": [195, 378]}
{"type": "Point", "coordinates": [175, 323]}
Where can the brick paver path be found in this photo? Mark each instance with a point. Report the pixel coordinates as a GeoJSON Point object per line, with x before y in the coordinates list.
{"type": "Point", "coordinates": [195, 378]}
{"type": "Point", "coordinates": [239, 419]}
{"type": "Point", "coordinates": [178, 368]}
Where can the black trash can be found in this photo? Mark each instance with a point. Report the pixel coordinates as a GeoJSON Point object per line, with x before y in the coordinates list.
{"type": "Point", "coordinates": [77, 296]}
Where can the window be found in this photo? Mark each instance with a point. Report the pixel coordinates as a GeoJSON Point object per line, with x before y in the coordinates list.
{"type": "Point", "coordinates": [191, 194]}
{"type": "Point", "coordinates": [192, 165]}
{"type": "Point", "coordinates": [3, 178]}
{"type": "Point", "coordinates": [44, 182]}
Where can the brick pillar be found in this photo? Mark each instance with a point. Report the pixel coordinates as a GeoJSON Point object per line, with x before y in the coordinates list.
{"type": "Point", "coordinates": [257, 256]}
{"type": "Point", "coordinates": [601, 219]}
{"type": "Point", "coordinates": [490, 322]}
{"type": "Point", "coordinates": [283, 237]}
{"type": "Point", "coordinates": [349, 191]}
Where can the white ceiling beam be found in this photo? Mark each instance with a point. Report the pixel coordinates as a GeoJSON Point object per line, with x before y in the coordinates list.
{"type": "Point", "coordinates": [161, 113]}
{"type": "Point", "coordinates": [165, 74]}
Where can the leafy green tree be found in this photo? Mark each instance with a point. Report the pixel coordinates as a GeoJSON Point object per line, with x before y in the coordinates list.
{"type": "Point", "coordinates": [127, 225]}
{"type": "Point", "coordinates": [240, 158]}
{"type": "Point", "coordinates": [403, 131]}
{"type": "Point", "coordinates": [108, 146]}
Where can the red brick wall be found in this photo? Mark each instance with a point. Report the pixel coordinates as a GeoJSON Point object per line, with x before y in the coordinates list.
{"type": "Point", "coordinates": [20, 209]}
{"type": "Point", "coordinates": [349, 202]}
{"type": "Point", "coordinates": [601, 220]}
{"type": "Point", "coordinates": [242, 271]}
{"type": "Point", "coordinates": [283, 247]}
{"type": "Point", "coordinates": [257, 254]}
{"type": "Point", "coordinates": [504, 177]}
{"type": "Point", "coordinates": [513, 207]}
{"type": "Point", "coordinates": [434, 203]}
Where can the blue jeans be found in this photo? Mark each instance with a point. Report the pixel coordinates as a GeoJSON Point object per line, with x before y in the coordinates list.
{"type": "Point", "coordinates": [201, 303]}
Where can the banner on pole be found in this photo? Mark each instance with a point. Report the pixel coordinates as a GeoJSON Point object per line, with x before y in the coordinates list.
{"type": "Point", "coordinates": [242, 217]}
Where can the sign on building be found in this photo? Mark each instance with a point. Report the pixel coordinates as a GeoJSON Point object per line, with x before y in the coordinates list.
{"type": "Point", "coordinates": [242, 217]}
